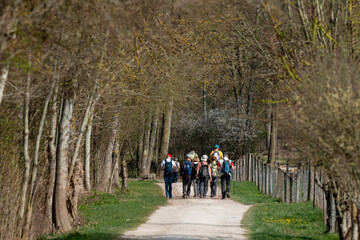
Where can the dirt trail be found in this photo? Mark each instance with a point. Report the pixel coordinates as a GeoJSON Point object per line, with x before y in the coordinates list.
{"type": "Point", "coordinates": [210, 218]}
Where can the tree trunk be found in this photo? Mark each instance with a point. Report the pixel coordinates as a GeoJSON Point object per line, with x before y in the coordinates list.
{"type": "Point", "coordinates": [26, 153]}
{"type": "Point", "coordinates": [116, 164]}
{"type": "Point", "coordinates": [273, 139]}
{"type": "Point", "coordinates": [63, 221]}
{"type": "Point", "coordinates": [52, 168]}
{"type": "Point", "coordinates": [167, 128]}
{"type": "Point", "coordinates": [152, 140]}
{"type": "Point", "coordinates": [140, 146]}
{"type": "Point", "coordinates": [3, 78]}
{"type": "Point", "coordinates": [105, 175]}
{"type": "Point", "coordinates": [80, 136]}
{"type": "Point", "coordinates": [26, 229]}
{"type": "Point", "coordinates": [204, 101]}
{"type": "Point", "coordinates": [249, 103]}
{"type": "Point", "coordinates": [124, 169]}
{"type": "Point", "coordinates": [268, 127]}
{"type": "Point", "coordinates": [144, 160]}
{"type": "Point", "coordinates": [88, 154]}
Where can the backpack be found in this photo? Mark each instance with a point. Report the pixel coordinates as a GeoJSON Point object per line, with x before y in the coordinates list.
{"type": "Point", "coordinates": [204, 171]}
{"type": "Point", "coordinates": [216, 154]}
{"type": "Point", "coordinates": [214, 170]}
{"type": "Point", "coordinates": [187, 168]}
{"type": "Point", "coordinates": [194, 168]}
{"type": "Point", "coordinates": [192, 155]}
{"type": "Point", "coordinates": [226, 167]}
{"type": "Point", "coordinates": [176, 167]}
{"type": "Point", "coordinates": [168, 167]}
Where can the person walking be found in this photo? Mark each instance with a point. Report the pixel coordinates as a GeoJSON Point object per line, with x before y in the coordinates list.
{"type": "Point", "coordinates": [176, 170]}
{"type": "Point", "coordinates": [226, 169]}
{"type": "Point", "coordinates": [186, 171]}
{"type": "Point", "coordinates": [214, 175]}
{"type": "Point", "coordinates": [204, 174]}
{"type": "Point", "coordinates": [168, 166]}
{"type": "Point", "coordinates": [195, 176]}
{"type": "Point", "coordinates": [217, 153]}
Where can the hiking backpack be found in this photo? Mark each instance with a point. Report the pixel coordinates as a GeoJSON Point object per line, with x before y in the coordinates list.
{"type": "Point", "coordinates": [176, 167]}
{"type": "Point", "coordinates": [214, 170]}
{"type": "Point", "coordinates": [194, 168]}
{"type": "Point", "coordinates": [226, 167]}
{"type": "Point", "coordinates": [168, 167]}
{"type": "Point", "coordinates": [187, 168]}
{"type": "Point", "coordinates": [192, 155]}
{"type": "Point", "coordinates": [204, 171]}
{"type": "Point", "coordinates": [216, 154]}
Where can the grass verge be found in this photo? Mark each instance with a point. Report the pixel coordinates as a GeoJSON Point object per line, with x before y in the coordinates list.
{"type": "Point", "coordinates": [107, 216]}
{"type": "Point", "coordinates": [269, 218]}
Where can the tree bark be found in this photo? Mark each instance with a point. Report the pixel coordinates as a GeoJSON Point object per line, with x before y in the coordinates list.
{"type": "Point", "coordinates": [88, 154]}
{"type": "Point", "coordinates": [144, 160]}
{"type": "Point", "coordinates": [52, 168]}
{"type": "Point", "coordinates": [26, 229]}
{"type": "Point", "coordinates": [116, 164]}
{"type": "Point", "coordinates": [63, 221]}
{"type": "Point", "coordinates": [3, 78]}
{"type": "Point", "coordinates": [27, 160]}
{"type": "Point", "coordinates": [152, 140]}
{"type": "Point", "coordinates": [249, 103]}
{"type": "Point", "coordinates": [167, 128]}
{"type": "Point", "coordinates": [80, 136]}
{"type": "Point", "coordinates": [105, 175]}
{"type": "Point", "coordinates": [273, 139]}
{"type": "Point", "coordinates": [124, 169]}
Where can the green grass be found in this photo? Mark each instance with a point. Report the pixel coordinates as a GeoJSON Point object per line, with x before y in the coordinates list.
{"type": "Point", "coordinates": [269, 218]}
{"type": "Point", "coordinates": [107, 216]}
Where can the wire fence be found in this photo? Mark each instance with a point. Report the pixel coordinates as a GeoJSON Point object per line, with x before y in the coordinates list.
{"type": "Point", "coordinates": [288, 183]}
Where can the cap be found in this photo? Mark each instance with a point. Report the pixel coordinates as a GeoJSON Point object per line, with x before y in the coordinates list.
{"type": "Point", "coordinates": [204, 158]}
{"type": "Point", "coordinates": [176, 159]}
{"type": "Point", "coordinates": [216, 146]}
{"type": "Point", "coordinates": [168, 156]}
{"type": "Point", "coordinates": [226, 159]}
{"type": "Point", "coordinates": [187, 156]}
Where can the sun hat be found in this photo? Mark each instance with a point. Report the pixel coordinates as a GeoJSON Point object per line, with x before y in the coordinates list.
{"type": "Point", "coordinates": [204, 158]}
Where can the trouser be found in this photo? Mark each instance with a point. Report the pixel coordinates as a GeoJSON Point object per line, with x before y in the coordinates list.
{"type": "Point", "coordinates": [168, 178]}
{"type": "Point", "coordinates": [213, 186]}
{"type": "Point", "coordinates": [176, 177]}
{"type": "Point", "coordinates": [196, 184]}
{"type": "Point", "coordinates": [204, 182]}
{"type": "Point", "coordinates": [225, 178]}
{"type": "Point", "coordinates": [186, 185]}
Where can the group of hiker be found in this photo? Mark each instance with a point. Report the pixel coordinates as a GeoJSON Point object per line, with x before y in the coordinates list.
{"type": "Point", "coordinates": [199, 173]}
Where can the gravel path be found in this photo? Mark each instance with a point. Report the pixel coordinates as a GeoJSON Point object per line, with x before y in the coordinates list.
{"type": "Point", "coordinates": [210, 218]}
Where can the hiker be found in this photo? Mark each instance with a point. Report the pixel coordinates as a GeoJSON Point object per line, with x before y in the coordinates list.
{"type": "Point", "coordinates": [192, 154]}
{"type": "Point", "coordinates": [217, 153]}
{"type": "Point", "coordinates": [226, 169]}
{"type": "Point", "coordinates": [195, 177]}
{"type": "Point", "coordinates": [176, 170]}
{"type": "Point", "coordinates": [186, 174]}
{"type": "Point", "coordinates": [168, 166]}
{"type": "Point", "coordinates": [204, 173]}
{"type": "Point", "coordinates": [214, 175]}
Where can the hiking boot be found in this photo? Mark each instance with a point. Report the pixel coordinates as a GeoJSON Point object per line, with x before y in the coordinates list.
{"type": "Point", "coordinates": [227, 195]}
{"type": "Point", "coordinates": [223, 196]}
{"type": "Point", "coordinates": [200, 196]}
{"type": "Point", "coordinates": [183, 196]}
